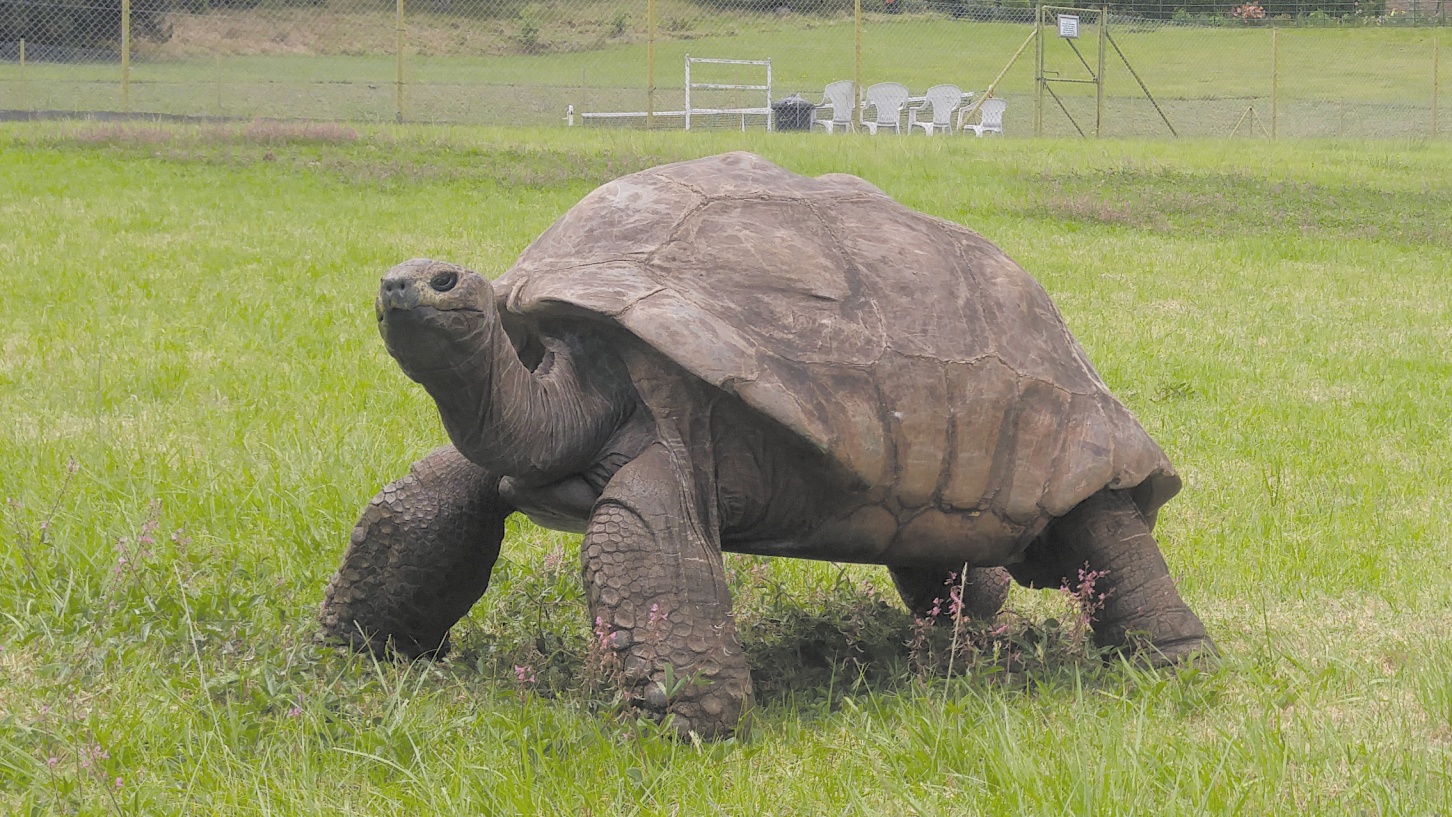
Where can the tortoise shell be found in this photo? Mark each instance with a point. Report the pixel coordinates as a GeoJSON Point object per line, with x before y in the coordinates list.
{"type": "Point", "coordinates": [908, 349]}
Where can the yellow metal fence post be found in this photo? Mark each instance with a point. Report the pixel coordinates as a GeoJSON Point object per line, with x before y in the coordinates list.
{"type": "Point", "coordinates": [1039, 84]}
{"type": "Point", "coordinates": [126, 56]}
{"type": "Point", "coordinates": [856, 63]}
{"type": "Point", "coordinates": [1275, 80]}
{"type": "Point", "coordinates": [398, 73]}
{"type": "Point", "coordinates": [650, 64]}
{"type": "Point", "coordinates": [1099, 77]}
{"type": "Point", "coordinates": [967, 111]}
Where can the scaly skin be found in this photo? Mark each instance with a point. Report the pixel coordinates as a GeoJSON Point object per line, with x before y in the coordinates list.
{"type": "Point", "coordinates": [439, 321]}
{"type": "Point", "coordinates": [656, 583]}
{"type": "Point", "coordinates": [418, 559]}
{"type": "Point", "coordinates": [1143, 614]}
{"type": "Point", "coordinates": [923, 589]}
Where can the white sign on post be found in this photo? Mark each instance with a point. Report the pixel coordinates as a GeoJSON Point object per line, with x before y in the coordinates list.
{"type": "Point", "coordinates": [1069, 26]}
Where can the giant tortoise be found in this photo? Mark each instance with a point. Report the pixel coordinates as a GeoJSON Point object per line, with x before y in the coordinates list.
{"type": "Point", "coordinates": [719, 355]}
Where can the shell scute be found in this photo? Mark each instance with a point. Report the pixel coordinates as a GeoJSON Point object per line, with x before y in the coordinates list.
{"type": "Point", "coordinates": [609, 288]}
{"type": "Point", "coordinates": [1039, 412]}
{"type": "Point", "coordinates": [928, 298]}
{"type": "Point", "coordinates": [802, 310]}
{"type": "Point", "coordinates": [981, 394]}
{"type": "Point", "coordinates": [915, 396]}
{"type": "Point", "coordinates": [1086, 456]}
{"type": "Point", "coordinates": [841, 412]}
{"type": "Point", "coordinates": [637, 213]}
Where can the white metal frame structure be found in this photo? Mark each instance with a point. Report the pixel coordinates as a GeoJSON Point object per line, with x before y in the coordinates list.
{"type": "Point", "coordinates": [690, 110]}
{"type": "Point", "coordinates": [714, 86]}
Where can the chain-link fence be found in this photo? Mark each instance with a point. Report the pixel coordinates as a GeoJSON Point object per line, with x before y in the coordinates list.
{"type": "Point", "coordinates": [1145, 67]}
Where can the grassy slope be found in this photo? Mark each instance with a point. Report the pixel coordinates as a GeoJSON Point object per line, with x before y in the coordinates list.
{"type": "Point", "coordinates": [188, 318]}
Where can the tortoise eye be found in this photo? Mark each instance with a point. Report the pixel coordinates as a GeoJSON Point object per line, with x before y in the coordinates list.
{"type": "Point", "coordinates": [444, 281]}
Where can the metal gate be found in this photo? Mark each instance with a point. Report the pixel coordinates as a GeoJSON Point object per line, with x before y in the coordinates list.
{"type": "Point", "coordinates": [1059, 59]}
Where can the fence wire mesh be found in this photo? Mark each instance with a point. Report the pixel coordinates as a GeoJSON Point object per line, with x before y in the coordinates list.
{"type": "Point", "coordinates": [1154, 67]}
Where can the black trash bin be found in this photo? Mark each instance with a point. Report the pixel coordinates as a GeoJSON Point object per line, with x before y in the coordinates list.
{"type": "Point", "coordinates": [793, 113]}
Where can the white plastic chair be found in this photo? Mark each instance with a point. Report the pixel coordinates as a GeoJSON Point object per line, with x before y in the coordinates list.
{"type": "Point", "coordinates": [886, 99]}
{"type": "Point", "coordinates": [943, 100]}
{"type": "Point", "coordinates": [839, 97]}
{"type": "Point", "coordinates": [990, 117]}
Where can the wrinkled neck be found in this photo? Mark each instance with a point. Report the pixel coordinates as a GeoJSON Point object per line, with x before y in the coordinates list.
{"type": "Point", "coordinates": [535, 426]}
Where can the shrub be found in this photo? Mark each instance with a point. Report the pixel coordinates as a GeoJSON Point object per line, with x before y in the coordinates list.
{"type": "Point", "coordinates": [84, 24]}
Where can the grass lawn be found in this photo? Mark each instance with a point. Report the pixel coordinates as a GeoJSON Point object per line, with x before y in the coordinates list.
{"type": "Point", "coordinates": [194, 406]}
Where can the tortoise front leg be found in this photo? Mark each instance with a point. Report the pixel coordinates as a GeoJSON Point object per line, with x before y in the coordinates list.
{"type": "Point", "coordinates": [924, 589]}
{"type": "Point", "coordinates": [418, 559]}
{"type": "Point", "coordinates": [1142, 612]}
{"type": "Point", "coordinates": [657, 592]}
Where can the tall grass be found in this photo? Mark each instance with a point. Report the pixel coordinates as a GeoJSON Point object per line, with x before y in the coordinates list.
{"type": "Point", "coordinates": [194, 406]}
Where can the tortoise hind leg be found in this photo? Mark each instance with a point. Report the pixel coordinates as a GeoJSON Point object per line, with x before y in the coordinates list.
{"type": "Point", "coordinates": [418, 559]}
{"type": "Point", "coordinates": [1142, 611]}
{"type": "Point", "coordinates": [657, 591]}
{"type": "Point", "coordinates": [924, 589]}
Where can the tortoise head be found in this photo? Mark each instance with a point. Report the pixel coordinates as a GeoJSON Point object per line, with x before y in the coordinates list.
{"type": "Point", "coordinates": [434, 316]}
{"type": "Point", "coordinates": [442, 324]}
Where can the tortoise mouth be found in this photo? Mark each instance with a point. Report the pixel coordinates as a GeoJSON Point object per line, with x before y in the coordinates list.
{"type": "Point", "coordinates": [421, 313]}
{"type": "Point", "coordinates": [425, 337]}
{"type": "Point", "coordinates": [429, 326]}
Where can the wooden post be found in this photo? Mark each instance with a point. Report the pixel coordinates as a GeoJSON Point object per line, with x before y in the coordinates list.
{"type": "Point", "coordinates": [1099, 78]}
{"type": "Point", "coordinates": [398, 69]}
{"type": "Point", "coordinates": [856, 64]}
{"type": "Point", "coordinates": [126, 56]}
{"type": "Point", "coordinates": [1275, 80]}
{"type": "Point", "coordinates": [650, 26]}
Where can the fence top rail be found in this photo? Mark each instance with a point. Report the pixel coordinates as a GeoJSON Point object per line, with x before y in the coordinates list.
{"type": "Point", "coordinates": [1092, 10]}
{"type": "Point", "coordinates": [711, 86]}
{"type": "Point", "coordinates": [694, 112]}
{"type": "Point", "coordinates": [714, 61]}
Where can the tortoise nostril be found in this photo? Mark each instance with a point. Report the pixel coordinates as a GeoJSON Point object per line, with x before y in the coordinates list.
{"type": "Point", "coordinates": [444, 281]}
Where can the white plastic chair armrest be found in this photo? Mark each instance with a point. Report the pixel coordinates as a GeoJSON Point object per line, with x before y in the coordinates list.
{"type": "Point", "coordinates": [912, 112]}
